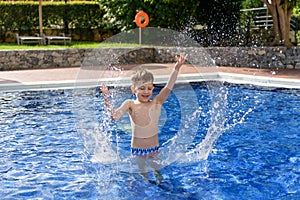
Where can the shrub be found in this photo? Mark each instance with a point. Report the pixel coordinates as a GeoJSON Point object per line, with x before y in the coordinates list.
{"type": "Point", "coordinates": [23, 17]}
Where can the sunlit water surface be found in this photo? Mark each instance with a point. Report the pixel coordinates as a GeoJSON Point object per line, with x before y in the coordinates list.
{"type": "Point", "coordinates": [42, 156]}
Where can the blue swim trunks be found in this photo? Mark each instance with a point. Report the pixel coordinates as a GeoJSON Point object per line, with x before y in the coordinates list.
{"type": "Point", "coordinates": [144, 152]}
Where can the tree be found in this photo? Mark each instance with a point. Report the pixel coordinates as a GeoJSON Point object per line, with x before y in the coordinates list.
{"type": "Point", "coordinates": [222, 17]}
{"type": "Point", "coordinates": [281, 11]}
{"type": "Point", "coordinates": [120, 13]}
{"type": "Point", "coordinates": [252, 4]}
{"type": "Point", "coordinates": [219, 17]}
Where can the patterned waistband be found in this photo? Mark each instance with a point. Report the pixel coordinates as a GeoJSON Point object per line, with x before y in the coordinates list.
{"type": "Point", "coordinates": [144, 152]}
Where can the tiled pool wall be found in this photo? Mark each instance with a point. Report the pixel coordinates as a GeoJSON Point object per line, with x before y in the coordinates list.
{"type": "Point", "coordinates": [262, 57]}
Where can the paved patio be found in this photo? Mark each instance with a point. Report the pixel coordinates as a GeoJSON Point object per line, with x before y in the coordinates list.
{"type": "Point", "coordinates": [56, 76]}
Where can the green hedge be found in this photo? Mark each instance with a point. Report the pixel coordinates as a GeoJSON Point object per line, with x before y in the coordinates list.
{"type": "Point", "coordinates": [23, 17]}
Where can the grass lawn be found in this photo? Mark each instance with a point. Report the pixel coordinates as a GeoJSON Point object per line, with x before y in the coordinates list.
{"type": "Point", "coordinates": [14, 46]}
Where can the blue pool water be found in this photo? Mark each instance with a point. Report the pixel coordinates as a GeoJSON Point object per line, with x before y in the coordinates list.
{"type": "Point", "coordinates": [257, 156]}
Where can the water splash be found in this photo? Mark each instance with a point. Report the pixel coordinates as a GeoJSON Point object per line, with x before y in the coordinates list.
{"type": "Point", "coordinates": [97, 132]}
{"type": "Point", "coordinates": [95, 137]}
{"type": "Point", "coordinates": [221, 117]}
{"type": "Point", "coordinates": [218, 118]}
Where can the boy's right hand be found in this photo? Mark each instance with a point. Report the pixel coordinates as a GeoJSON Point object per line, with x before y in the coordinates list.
{"type": "Point", "coordinates": [105, 91]}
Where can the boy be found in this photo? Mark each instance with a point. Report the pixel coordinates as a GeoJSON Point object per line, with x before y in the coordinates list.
{"type": "Point", "coordinates": [144, 114]}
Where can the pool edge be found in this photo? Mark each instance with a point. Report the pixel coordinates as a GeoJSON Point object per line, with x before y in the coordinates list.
{"type": "Point", "coordinates": [160, 79]}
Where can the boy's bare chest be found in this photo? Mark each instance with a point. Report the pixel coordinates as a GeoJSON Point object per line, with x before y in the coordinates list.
{"type": "Point", "coordinates": [145, 112]}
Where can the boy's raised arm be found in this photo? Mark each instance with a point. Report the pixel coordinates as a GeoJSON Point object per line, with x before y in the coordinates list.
{"type": "Point", "coordinates": [173, 77]}
{"type": "Point", "coordinates": [114, 114]}
{"type": "Point", "coordinates": [106, 95]}
{"type": "Point", "coordinates": [165, 92]}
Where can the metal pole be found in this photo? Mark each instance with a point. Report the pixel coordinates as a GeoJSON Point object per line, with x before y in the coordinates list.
{"type": "Point", "coordinates": [41, 18]}
{"type": "Point", "coordinates": [140, 36]}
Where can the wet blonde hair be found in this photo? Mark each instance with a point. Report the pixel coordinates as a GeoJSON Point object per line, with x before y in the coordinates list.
{"type": "Point", "coordinates": [140, 77]}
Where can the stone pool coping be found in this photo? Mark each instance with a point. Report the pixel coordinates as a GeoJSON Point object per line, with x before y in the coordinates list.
{"type": "Point", "coordinates": [62, 78]}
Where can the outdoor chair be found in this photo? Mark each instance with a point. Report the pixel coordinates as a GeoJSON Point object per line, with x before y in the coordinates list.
{"type": "Point", "coordinates": [29, 39]}
{"type": "Point", "coordinates": [49, 39]}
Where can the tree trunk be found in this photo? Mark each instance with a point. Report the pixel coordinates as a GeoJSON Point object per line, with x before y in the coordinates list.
{"type": "Point", "coordinates": [275, 17]}
{"type": "Point", "coordinates": [281, 15]}
{"type": "Point", "coordinates": [285, 23]}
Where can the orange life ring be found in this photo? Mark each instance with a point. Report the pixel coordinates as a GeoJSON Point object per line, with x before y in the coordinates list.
{"type": "Point", "coordinates": [138, 19]}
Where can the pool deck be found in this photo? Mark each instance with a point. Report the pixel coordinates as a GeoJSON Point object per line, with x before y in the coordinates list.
{"type": "Point", "coordinates": [67, 77]}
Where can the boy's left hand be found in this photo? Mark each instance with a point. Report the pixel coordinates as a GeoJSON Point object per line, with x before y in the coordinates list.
{"type": "Point", "coordinates": [180, 59]}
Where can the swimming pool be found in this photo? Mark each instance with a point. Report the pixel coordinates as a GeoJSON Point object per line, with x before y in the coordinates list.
{"type": "Point", "coordinates": [256, 157]}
